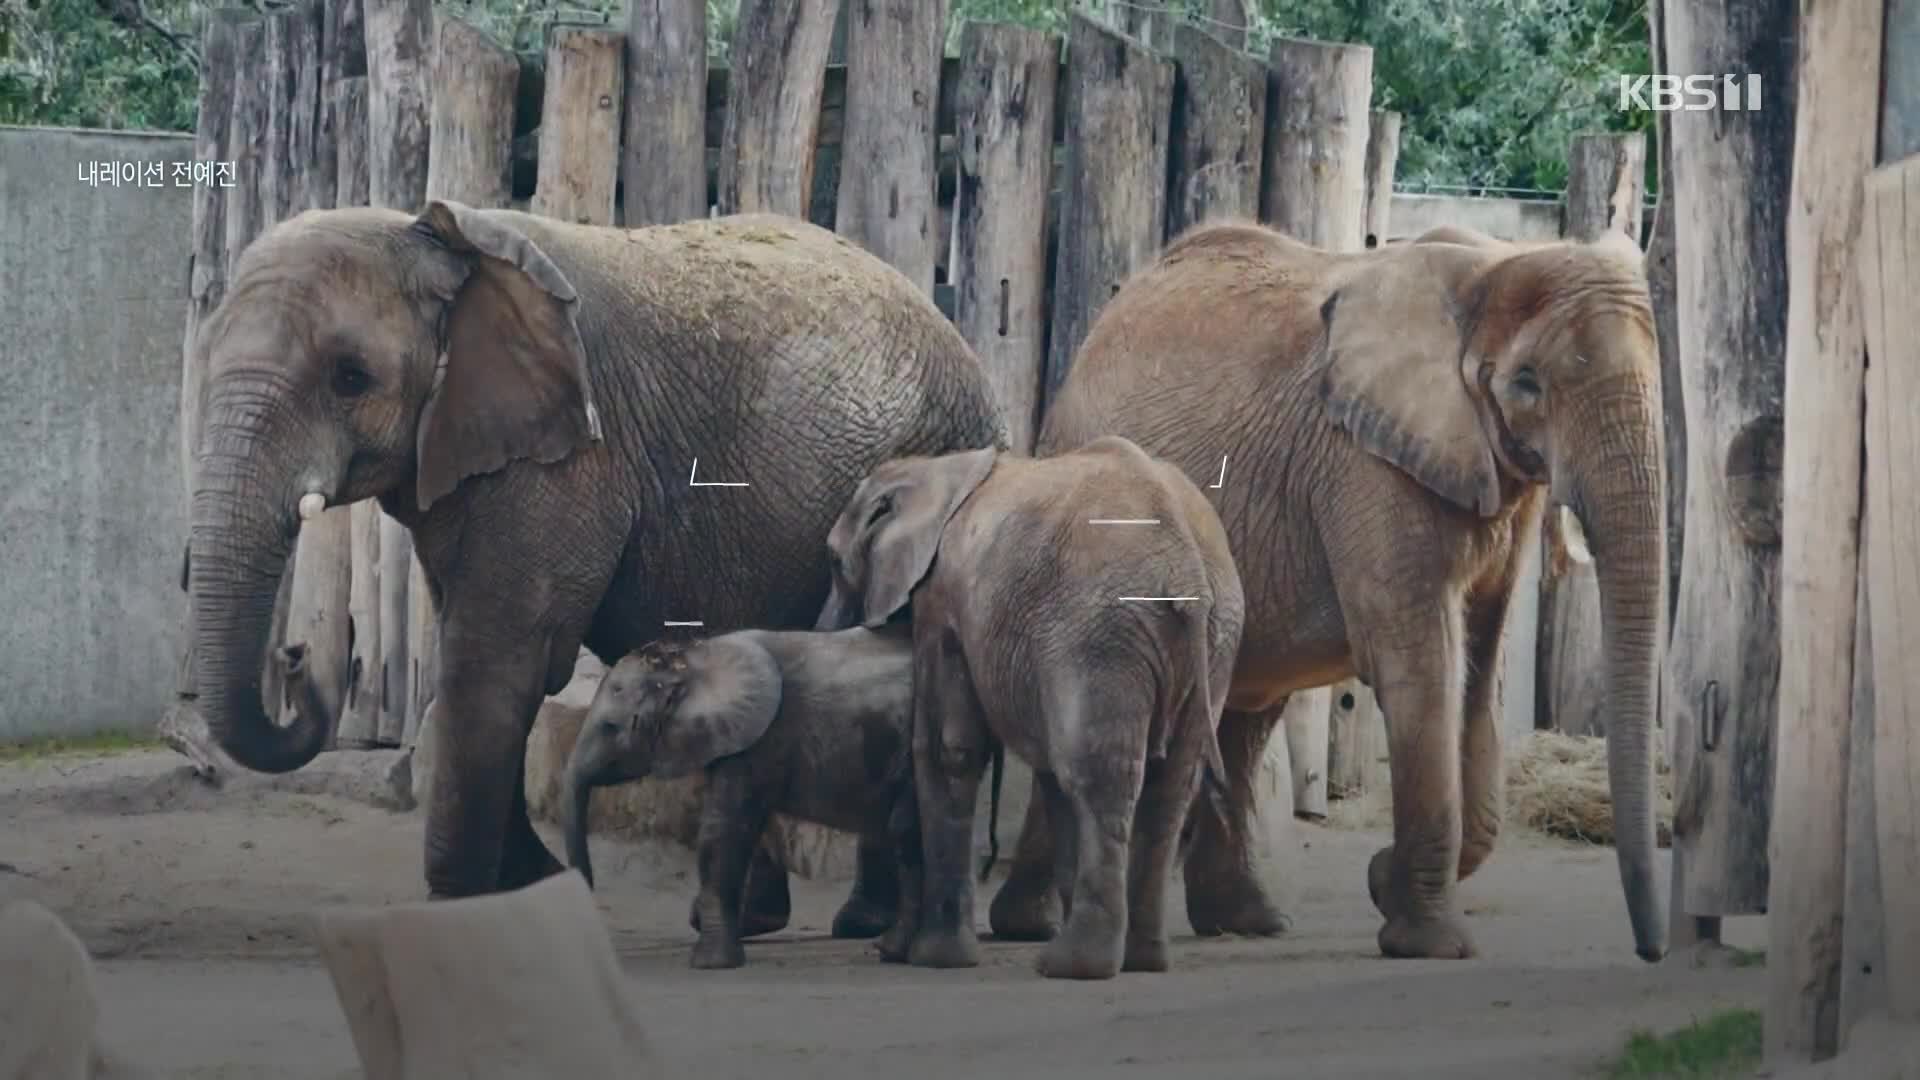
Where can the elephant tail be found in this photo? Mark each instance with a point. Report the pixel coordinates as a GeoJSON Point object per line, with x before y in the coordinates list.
{"type": "Point", "coordinates": [993, 811]}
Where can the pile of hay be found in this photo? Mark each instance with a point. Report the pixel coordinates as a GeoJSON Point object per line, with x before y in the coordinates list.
{"type": "Point", "coordinates": [1557, 784]}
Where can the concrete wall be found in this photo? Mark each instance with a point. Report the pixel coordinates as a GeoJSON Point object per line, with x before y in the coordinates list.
{"type": "Point", "coordinates": [1505, 219]}
{"type": "Point", "coordinates": [92, 307]}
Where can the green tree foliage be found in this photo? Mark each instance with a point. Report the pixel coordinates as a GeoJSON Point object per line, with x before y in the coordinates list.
{"type": "Point", "coordinates": [1491, 91]}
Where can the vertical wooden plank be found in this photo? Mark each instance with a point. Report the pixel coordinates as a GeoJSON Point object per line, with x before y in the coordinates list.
{"type": "Point", "coordinates": [1218, 130]}
{"type": "Point", "coordinates": [1889, 277]}
{"type": "Point", "coordinates": [1519, 673]}
{"type": "Point", "coordinates": [1357, 735]}
{"type": "Point", "coordinates": [1305, 721]}
{"type": "Point", "coordinates": [1149, 23]}
{"type": "Point", "coordinates": [1383, 157]}
{"type": "Point", "coordinates": [360, 720]}
{"type": "Point", "coordinates": [580, 125]}
{"type": "Point", "coordinates": [1863, 974]}
{"type": "Point", "coordinates": [1730, 178]}
{"type": "Point", "coordinates": [1660, 292]}
{"type": "Point", "coordinates": [1228, 20]}
{"type": "Point", "coordinates": [1839, 82]}
{"type": "Point", "coordinates": [1316, 147]}
{"type": "Point", "coordinates": [777, 75]}
{"type": "Point", "coordinates": [663, 168]}
{"type": "Point", "coordinates": [1003, 104]}
{"type": "Point", "coordinates": [1113, 209]}
{"type": "Point", "coordinates": [470, 142]}
{"type": "Point", "coordinates": [887, 151]}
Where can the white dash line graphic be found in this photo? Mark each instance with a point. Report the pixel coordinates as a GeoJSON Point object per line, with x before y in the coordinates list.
{"type": "Point", "coordinates": [670, 622]}
{"type": "Point", "coordinates": [692, 482]}
{"type": "Point", "coordinates": [1159, 598]}
{"type": "Point", "coordinates": [1223, 473]}
{"type": "Point", "coordinates": [1123, 521]}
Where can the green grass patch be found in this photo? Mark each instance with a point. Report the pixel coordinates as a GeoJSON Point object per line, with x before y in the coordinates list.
{"type": "Point", "coordinates": [106, 742]}
{"type": "Point", "coordinates": [1720, 1047]}
{"type": "Point", "coordinates": [1745, 958]}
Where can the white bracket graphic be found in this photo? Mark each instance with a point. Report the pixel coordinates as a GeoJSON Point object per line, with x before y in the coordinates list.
{"type": "Point", "coordinates": [693, 481]}
{"type": "Point", "coordinates": [1123, 521]}
{"type": "Point", "coordinates": [1159, 598]}
{"type": "Point", "coordinates": [670, 622]}
{"type": "Point", "coordinates": [1223, 473]}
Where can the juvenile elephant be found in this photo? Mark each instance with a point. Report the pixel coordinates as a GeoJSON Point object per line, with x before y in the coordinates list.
{"type": "Point", "coordinates": [1083, 611]}
{"type": "Point", "coordinates": [1385, 427]}
{"type": "Point", "coordinates": [587, 431]}
{"type": "Point", "coordinates": [814, 726]}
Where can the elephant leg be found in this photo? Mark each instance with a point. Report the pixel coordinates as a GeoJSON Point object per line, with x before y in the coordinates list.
{"type": "Point", "coordinates": [769, 901]}
{"type": "Point", "coordinates": [1101, 793]}
{"type": "Point", "coordinates": [1165, 798]}
{"type": "Point", "coordinates": [1063, 828]}
{"type": "Point", "coordinates": [903, 837]}
{"type": "Point", "coordinates": [950, 744]}
{"type": "Point", "coordinates": [525, 858]}
{"type": "Point", "coordinates": [1028, 907]}
{"type": "Point", "coordinates": [1225, 893]}
{"type": "Point", "coordinates": [870, 908]}
{"type": "Point", "coordinates": [731, 824]}
{"type": "Point", "coordinates": [1419, 679]}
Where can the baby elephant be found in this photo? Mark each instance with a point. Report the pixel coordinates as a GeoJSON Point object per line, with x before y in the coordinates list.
{"type": "Point", "coordinates": [1081, 610]}
{"type": "Point", "coordinates": [813, 726]}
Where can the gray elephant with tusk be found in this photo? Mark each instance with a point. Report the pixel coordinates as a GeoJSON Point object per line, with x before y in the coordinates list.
{"type": "Point", "coordinates": [587, 431]}
{"type": "Point", "coordinates": [814, 726]}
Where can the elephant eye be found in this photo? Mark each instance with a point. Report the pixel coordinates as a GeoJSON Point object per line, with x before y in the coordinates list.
{"type": "Point", "coordinates": [1525, 383]}
{"type": "Point", "coordinates": [881, 506]}
{"type": "Point", "coordinates": [350, 380]}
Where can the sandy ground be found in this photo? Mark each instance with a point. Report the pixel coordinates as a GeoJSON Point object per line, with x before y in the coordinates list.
{"type": "Point", "coordinates": [194, 904]}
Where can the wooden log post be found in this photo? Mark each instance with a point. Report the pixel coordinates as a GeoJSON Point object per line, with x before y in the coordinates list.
{"type": "Point", "coordinates": [777, 75]}
{"type": "Point", "coordinates": [206, 286]}
{"type": "Point", "coordinates": [1315, 190]}
{"type": "Point", "coordinates": [1227, 20]}
{"type": "Point", "coordinates": [1151, 24]}
{"type": "Point", "coordinates": [321, 567]}
{"type": "Point", "coordinates": [399, 41]}
{"type": "Point", "coordinates": [1114, 210]}
{"type": "Point", "coordinates": [663, 170]}
{"type": "Point", "coordinates": [1730, 180]}
{"type": "Point", "coordinates": [1660, 291]}
{"type": "Point", "coordinates": [360, 722]}
{"type": "Point", "coordinates": [580, 125]}
{"type": "Point", "coordinates": [1218, 131]}
{"type": "Point", "coordinates": [1863, 932]}
{"type": "Point", "coordinates": [1839, 82]}
{"type": "Point", "coordinates": [1009, 77]}
{"type": "Point", "coordinates": [1383, 157]}
{"type": "Point", "coordinates": [1316, 147]}
{"type": "Point", "coordinates": [1889, 273]}
{"type": "Point", "coordinates": [1605, 185]}
{"type": "Point", "coordinates": [888, 182]}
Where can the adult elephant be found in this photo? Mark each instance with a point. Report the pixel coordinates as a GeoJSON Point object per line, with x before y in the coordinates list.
{"type": "Point", "coordinates": [534, 401]}
{"type": "Point", "coordinates": [1390, 424]}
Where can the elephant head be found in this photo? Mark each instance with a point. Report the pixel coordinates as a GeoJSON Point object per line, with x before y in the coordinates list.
{"type": "Point", "coordinates": [667, 710]}
{"type": "Point", "coordinates": [361, 353]}
{"type": "Point", "coordinates": [885, 540]}
{"type": "Point", "coordinates": [1477, 368]}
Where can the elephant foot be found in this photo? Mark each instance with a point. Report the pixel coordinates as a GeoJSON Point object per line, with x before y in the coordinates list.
{"type": "Point", "coordinates": [524, 868]}
{"type": "Point", "coordinates": [944, 950]}
{"type": "Point", "coordinates": [1146, 955]}
{"type": "Point", "coordinates": [895, 945]}
{"type": "Point", "coordinates": [716, 953]}
{"type": "Point", "coordinates": [1025, 909]}
{"type": "Point", "coordinates": [860, 918]}
{"type": "Point", "coordinates": [1081, 955]}
{"type": "Point", "coordinates": [1233, 905]}
{"type": "Point", "coordinates": [1444, 938]}
{"type": "Point", "coordinates": [1379, 883]}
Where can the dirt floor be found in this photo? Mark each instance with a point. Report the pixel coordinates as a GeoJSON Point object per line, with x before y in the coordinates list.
{"type": "Point", "coordinates": [194, 903]}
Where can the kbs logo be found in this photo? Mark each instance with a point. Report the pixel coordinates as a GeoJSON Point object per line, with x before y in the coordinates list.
{"type": "Point", "coordinates": [1690, 93]}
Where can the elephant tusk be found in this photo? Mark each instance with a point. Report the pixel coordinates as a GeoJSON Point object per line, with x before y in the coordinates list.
{"type": "Point", "coordinates": [311, 504]}
{"type": "Point", "coordinates": [1574, 536]}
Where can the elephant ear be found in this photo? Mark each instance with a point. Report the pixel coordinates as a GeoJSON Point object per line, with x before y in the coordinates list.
{"type": "Point", "coordinates": [512, 382]}
{"type": "Point", "coordinates": [726, 696]}
{"type": "Point", "coordinates": [905, 520]}
{"type": "Point", "coordinates": [1393, 381]}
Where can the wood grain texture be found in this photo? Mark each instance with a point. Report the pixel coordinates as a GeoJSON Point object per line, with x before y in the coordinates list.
{"type": "Point", "coordinates": [1305, 722]}
{"type": "Point", "coordinates": [663, 167]}
{"type": "Point", "coordinates": [1730, 178]}
{"type": "Point", "coordinates": [1218, 131]}
{"type": "Point", "coordinates": [1383, 158]}
{"type": "Point", "coordinates": [1114, 206]}
{"type": "Point", "coordinates": [888, 186]}
{"type": "Point", "coordinates": [580, 122]}
{"type": "Point", "coordinates": [470, 142]}
{"type": "Point", "coordinates": [1316, 146]}
{"type": "Point", "coordinates": [1009, 78]}
{"type": "Point", "coordinates": [1863, 946]}
{"type": "Point", "coordinates": [399, 39]}
{"type": "Point", "coordinates": [777, 77]}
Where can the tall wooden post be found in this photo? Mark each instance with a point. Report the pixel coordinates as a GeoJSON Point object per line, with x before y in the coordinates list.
{"type": "Point", "coordinates": [1839, 82]}
{"type": "Point", "coordinates": [580, 125]}
{"type": "Point", "coordinates": [1660, 290]}
{"type": "Point", "coordinates": [776, 76]}
{"type": "Point", "coordinates": [399, 38]}
{"type": "Point", "coordinates": [888, 150]}
{"type": "Point", "coordinates": [1863, 944]}
{"type": "Point", "coordinates": [663, 170]}
{"type": "Point", "coordinates": [1114, 209]}
{"type": "Point", "coordinates": [1315, 190]}
{"type": "Point", "coordinates": [1730, 181]}
{"type": "Point", "coordinates": [1219, 131]}
{"type": "Point", "coordinates": [1383, 157]}
{"type": "Point", "coordinates": [1003, 117]}
{"type": "Point", "coordinates": [1228, 21]}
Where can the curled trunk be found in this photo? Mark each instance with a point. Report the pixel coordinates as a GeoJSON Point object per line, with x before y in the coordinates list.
{"type": "Point", "coordinates": [575, 807]}
{"type": "Point", "coordinates": [1615, 476]}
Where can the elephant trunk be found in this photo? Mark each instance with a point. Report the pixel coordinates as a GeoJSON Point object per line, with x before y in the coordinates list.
{"type": "Point", "coordinates": [1616, 490]}
{"type": "Point", "coordinates": [243, 525]}
{"type": "Point", "coordinates": [584, 766]}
